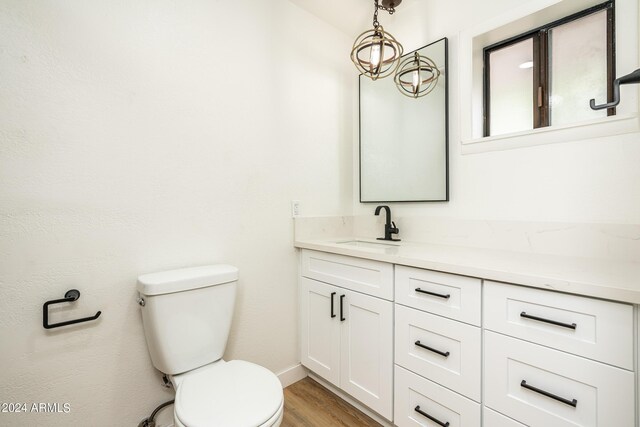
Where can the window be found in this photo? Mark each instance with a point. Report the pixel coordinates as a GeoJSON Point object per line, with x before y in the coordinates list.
{"type": "Point", "coordinates": [548, 75]}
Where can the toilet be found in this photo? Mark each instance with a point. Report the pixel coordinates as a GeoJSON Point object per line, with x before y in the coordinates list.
{"type": "Point", "coordinates": [187, 317]}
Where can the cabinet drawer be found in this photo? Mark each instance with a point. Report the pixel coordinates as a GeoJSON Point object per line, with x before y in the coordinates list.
{"type": "Point", "coordinates": [414, 393]}
{"type": "Point", "coordinates": [543, 387]}
{"type": "Point", "coordinates": [361, 275]}
{"type": "Point", "coordinates": [492, 418]}
{"type": "Point", "coordinates": [449, 295]}
{"type": "Point", "coordinates": [452, 357]}
{"type": "Point", "coordinates": [588, 327]}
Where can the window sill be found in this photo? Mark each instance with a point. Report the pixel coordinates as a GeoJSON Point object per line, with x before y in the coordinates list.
{"type": "Point", "coordinates": [608, 126]}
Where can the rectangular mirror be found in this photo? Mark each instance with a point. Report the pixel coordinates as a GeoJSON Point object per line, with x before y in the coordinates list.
{"type": "Point", "coordinates": [404, 140]}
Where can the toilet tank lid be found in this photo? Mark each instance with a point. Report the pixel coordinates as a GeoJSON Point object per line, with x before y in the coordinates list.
{"type": "Point", "coordinates": [185, 279]}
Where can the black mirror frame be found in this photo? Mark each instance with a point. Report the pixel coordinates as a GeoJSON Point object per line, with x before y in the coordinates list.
{"type": "Point", "coordinates": [446, 142]}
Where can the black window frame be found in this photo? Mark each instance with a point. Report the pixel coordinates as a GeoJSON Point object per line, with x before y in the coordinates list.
{"type": "Point", "coordinates": [541, 71]}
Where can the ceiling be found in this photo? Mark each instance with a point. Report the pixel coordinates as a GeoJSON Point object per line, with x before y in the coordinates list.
{"type": "Point", "coordinates": [350, 16]}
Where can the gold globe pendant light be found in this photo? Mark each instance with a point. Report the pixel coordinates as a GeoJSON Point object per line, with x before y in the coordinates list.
{"type": "Point", "coordinates": [376, 53]}
{"type": "Point", "coordinates": [417, 76]}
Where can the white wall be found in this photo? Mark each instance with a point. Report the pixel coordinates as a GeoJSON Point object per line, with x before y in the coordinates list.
{"type": "Point", "coordinates": [142, 136]}
{"type": "Point", "coordinates": [595, 180]}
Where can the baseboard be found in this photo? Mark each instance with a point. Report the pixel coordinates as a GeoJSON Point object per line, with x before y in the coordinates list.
{"type": "Point", "coordinates": [350, 400]}
{"type": "Point", "coordinates": [292, 375]}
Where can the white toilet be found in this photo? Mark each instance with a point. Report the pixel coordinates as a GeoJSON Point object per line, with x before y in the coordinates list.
{"type": "Point", "coordinates": [187, 316]}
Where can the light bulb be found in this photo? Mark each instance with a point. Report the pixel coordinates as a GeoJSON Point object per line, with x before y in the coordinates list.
{"type": "Point", "coordinates": [416, 80]}
{"type": "Point", "coordinates": [375, 55]}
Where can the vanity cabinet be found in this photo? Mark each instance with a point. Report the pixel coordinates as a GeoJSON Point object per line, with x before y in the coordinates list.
{"type": "Point", "coordinates": [426, 348]}
{"type": "Point", "coordinates": [347, 335]}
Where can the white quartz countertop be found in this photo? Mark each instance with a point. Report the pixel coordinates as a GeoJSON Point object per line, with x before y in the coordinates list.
{"type": "Point", "coordinates": [600, 278]}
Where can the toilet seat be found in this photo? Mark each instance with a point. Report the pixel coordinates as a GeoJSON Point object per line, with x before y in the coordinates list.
{"type": "Point", "coordinates": [228, 394]}
{"type": "Point", "coordinates": [274, 421]}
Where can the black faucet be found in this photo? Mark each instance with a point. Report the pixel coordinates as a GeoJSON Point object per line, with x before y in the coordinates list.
{"type": "Point", "coordinates": [389, 226]}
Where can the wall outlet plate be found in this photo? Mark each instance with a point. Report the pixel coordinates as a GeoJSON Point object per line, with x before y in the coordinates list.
{"type": "Point", "coordinates": [295, 208]}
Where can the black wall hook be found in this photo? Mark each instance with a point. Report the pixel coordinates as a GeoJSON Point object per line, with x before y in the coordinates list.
{"type": "Point", "coordinates": [70, 296]}
{"type": "Point", "coordinates": [628, 79]}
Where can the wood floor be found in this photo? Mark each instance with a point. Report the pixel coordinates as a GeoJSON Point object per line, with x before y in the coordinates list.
{"type": "Point", "coordinates": [308, 404]}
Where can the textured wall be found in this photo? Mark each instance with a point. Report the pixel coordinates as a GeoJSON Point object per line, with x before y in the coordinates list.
{"type": "Point", "coordinates": [142, 136]}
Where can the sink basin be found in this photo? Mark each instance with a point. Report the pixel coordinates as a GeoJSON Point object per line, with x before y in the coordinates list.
{"type": "Point", "coordinates": [366, 244]}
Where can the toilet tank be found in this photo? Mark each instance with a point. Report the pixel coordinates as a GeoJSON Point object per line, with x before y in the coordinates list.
{"type": "Point", "coordinates": [187, 315]}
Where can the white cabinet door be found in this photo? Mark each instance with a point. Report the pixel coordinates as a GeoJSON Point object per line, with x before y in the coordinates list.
{"type": "Point", "coordinates": [320, 334]}
{"type": "Point", "coordinates": [367, 350]}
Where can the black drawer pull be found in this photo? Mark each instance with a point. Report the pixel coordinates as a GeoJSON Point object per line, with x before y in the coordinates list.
{"type": "Point", "coordinates": [332, 295]}
{"type": "Point", "coordinates": [445, 296]}
{"type": "Point", "coordinates": [435, 420]}
{"type": "Point", "coordinates": [572, 402]}
{"type": "Point", "coordinates": [553, 322]}
{"type": "Point", "coordinates": [441, 353]}
{"type": "Point", "coordinates": [342, 319]}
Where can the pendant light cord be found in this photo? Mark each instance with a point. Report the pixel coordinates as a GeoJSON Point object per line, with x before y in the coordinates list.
{"type": "Point", "coordinates": [377, 7]}
{"type": "Point", "coordinates": [376, 24]}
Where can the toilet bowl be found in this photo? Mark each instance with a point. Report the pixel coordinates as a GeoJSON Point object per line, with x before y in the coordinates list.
{"type": "Point", "coordinates": [235, 393]}
{"type": "Point", "coordinates": [187, 317]}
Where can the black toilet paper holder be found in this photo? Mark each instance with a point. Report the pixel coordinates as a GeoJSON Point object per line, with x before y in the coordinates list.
{"type": "Point", "coordinates": [70, 296]}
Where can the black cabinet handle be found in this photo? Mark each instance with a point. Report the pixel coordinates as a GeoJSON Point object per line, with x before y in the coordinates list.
{"type": "Point", "coordinates": [342, 319]}
{"type": "Point", "coordinates": [332, 295]}
{"type": "Point", "coordinates": [572, 402]}
{"type": "Point", "coordinates": [434, 419]}
{"type": "Point", "coordinates": [441, 353]}
{"type": "Point", "coordinates": [445, 296]}
{"type": "Point", "coordinates": [553, 322]}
